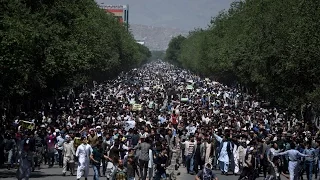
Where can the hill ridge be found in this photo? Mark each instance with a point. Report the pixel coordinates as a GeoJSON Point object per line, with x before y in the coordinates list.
{"type": "Point", "coordinates": [156, 38]}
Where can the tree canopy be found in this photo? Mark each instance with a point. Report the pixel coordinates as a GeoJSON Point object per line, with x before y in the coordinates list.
{"type": "Point", "coordinates": [271, 47]}
{"type": "Point", "coordinates": [158, 55]}
{"type": "Point", "coordinates": [48, 46]}
{"type": "Point", "coordinates": [174, 48]}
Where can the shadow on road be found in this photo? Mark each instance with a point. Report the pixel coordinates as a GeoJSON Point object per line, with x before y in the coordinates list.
{"type": "Point", "coordinates": [35, 174]}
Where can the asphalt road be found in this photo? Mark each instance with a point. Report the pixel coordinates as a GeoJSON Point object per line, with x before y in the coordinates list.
{"type": "Point", "coordinates": [56, 174]}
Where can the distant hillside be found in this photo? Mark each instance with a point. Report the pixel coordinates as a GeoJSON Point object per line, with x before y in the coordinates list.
{"type": "Point", "coordinates": [155, 38]}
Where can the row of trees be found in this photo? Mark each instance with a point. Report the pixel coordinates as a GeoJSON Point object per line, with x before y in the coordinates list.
{"type": "Point", "coordinates": [49, 46]}
{"type": "Point", "coordinates": [271, 47]}
{"type": "Point", "coordinates": [158, 55]}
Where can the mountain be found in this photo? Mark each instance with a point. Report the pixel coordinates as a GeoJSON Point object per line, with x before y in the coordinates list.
{"type": "Point", "coordinates": [155, 38]}
{"type": "Point", "coordinates": [182, 14]}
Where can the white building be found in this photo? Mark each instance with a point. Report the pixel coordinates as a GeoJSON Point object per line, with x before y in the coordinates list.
{"type": "Point", "coordinates": [141, 42]}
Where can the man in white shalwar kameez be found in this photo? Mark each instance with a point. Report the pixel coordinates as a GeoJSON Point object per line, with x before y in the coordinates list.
{"type": "Point", "coordinates": [223, 155]}
{"type": "Point", "coordinates": [242, 152]}
{"type": "Point", "coordinates": [208, 147]}
{"type": "Point", "coordinates": [83, 153]}
{"type": "Point", "coordinates": [236, 158]}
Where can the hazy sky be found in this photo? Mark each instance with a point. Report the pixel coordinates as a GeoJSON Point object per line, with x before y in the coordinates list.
{"type": "Point", "coordinates": [182, 14]}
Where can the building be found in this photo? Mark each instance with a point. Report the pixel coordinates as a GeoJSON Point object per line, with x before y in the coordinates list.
{"type": "Point", "coordinates": [119, 11]}
{"type": "Point", "coordinates": [141, 42]}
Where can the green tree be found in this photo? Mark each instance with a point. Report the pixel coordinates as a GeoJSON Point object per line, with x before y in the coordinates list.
{"type": "Point", "coordinates": [50, 46]}
{"type": "Point", "coordinates": [173, 51]}
{"type": "Point", "coordinates": [158, 55]}
{"type": "Point", "coordinates": [270, 47]}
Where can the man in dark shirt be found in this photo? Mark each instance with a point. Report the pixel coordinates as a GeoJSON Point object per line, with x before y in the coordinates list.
{"type": "Point", "coordinates": [31, 143]}
{"type": "Point", "coordinates": [9, 147]}
{"type": "Point", "coordinates": [129, 137]}
{"type": "Point", "coordinates": [161, 165]}
{"type": "Point", "coordinates": [39, 146]}
{"type": "Point", "coordinates": [131, 168]}
{"type": "Point", "coordinates": [96, 160]}
{"type": "Point", "coordinates": [183, 138]}
{"type": "Point", "coordinates": [206, 173]}
{"type": "Point", "coordinates": [135, 138]}
{"type": "Point", "coordinates": [197, 157]}
{"type": "Point", "coordinates": [144, 156]}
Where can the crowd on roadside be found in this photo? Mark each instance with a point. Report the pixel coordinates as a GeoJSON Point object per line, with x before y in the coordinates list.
{"type": "Point", "coordinates": [150, 121]}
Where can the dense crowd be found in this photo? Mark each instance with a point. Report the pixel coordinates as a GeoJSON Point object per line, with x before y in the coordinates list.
{"type": "Point", "coordinates": [150, 121]}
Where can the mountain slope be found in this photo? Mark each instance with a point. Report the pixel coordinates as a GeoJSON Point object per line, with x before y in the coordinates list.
{"type": "Point", "coordinates": [155, 38]}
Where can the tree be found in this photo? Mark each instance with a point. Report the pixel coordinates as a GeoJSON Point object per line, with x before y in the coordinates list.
{"type": "Point", "coordinates": [50, 46]}
{"type": "Point", "coordinates": [158, 55]}
{"type": "Point", "coordinates": [270, 47]}
{"type": "Point", "coordinates": [173, 50]}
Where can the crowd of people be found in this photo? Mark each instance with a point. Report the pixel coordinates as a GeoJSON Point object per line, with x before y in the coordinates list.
{"type": "Point", "coordinates": [152, 121]}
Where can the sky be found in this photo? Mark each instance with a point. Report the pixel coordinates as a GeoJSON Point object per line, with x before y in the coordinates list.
{"type": "Point", "coordinates": [182, 14]}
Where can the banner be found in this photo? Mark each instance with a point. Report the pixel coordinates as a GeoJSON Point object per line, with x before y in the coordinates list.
{"type": "Point", "coordinates": [27, 125]}
{"type": "Point", "coordinates": [137, 107]}
{"type": "Point", "coordinates": [157, 87]}
{"type": "Point", "coordinates": [132, 101]}
{"type": "Point", "coordinates": [191, 130]}
{"type": "Point", "coordinates": [184, 99]}
{"type": "Point", "coordinates": [129, 125]}
{"type": "Point", "coordinates": [190, 87]}
{"type": "Point", "coordinates": [150, 106]}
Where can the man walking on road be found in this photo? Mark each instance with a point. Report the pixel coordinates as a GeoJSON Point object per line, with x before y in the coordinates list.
{"type": "Point", "coordinates": [68, 155]}
{"type": "Point", "coordinates": [294, 156]}
{"type": "Point", "coordinates": [83, 153]}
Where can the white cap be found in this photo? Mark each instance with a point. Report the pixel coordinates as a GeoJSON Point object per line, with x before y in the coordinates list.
{"type": "Point", "coordinates": [98, 127]}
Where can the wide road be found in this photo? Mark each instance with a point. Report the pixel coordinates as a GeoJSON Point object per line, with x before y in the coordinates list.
{"type": "Point", "coordinates": [55, 174]}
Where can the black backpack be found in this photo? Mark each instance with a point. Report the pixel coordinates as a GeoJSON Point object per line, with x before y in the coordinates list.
{"type": "Point", "coordinates": [8, 144]}
{"type": "Point", "coordinates": [253, 159]}
{"type": "Point", "coordinates": [208, 175]}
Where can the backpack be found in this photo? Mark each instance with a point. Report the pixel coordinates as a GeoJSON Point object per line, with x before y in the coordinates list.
{"type": "Point", "coordinates": [155, 156]}
{"type": "Point", "coordinates": [253, 159]}
{"type": "Point", "coordinates": [76, 142]}
{"type": "Point", "coordinates": [120, 175]}
{"type": "Point", "coordinates": [174, 119]}
{"type": "Point", "coordinates": [9, 144]}
{"type": "Point", "coordinates": [207, 175]}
